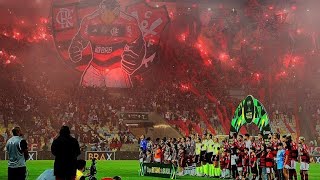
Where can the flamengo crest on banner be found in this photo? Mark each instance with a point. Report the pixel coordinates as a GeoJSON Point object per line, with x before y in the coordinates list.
{"type": "Point", "coordinates": [152, 22]}
{"type": "Point", "coordinates": [64, 18]}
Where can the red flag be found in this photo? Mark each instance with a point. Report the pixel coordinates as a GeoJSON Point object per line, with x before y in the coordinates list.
{"type": "Point", "coordinates": [211, 97]}
{"type": "Point", "coordinates": [152, 22]}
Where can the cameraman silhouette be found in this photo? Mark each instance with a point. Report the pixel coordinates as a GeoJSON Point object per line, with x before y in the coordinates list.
{"type": "Point", "coordinates": [93, 170]}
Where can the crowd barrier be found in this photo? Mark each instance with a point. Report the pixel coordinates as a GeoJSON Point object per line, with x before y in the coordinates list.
{"type": "Point", "coordinates": [87, 155]}
{"type": "Point", "coordinates": [315, 159]}
{"type": "Point", "coordinates": [102, 155]}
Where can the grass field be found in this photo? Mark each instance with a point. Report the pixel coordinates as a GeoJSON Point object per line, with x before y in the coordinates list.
{"type": "Point", "coordinates": [126, 169]}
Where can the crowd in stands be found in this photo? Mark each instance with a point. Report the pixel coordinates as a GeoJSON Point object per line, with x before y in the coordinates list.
{"type": "Point", "coordinates": [40, 111]}
{"type": "Point", "coordinates": [311, 110]}
{"type": "Point", "coordinates": [92, 113]}
{"type": "Point", "coordinates": [41, 100]}
{"type": "Point", "coordinates": [95, 125]}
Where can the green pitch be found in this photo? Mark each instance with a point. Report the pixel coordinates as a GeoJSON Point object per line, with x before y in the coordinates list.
{"type": "Point", "coordinates": [125, 169]}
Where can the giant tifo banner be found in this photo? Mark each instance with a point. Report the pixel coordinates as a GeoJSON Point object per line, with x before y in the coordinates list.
{"type": "Point", "coordinates": [250, 110]}
{"type": "Point", "coordinates": [106, 42]}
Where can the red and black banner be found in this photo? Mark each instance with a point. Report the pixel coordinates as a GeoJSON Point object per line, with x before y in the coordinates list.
{"type": "Point", "coordinates": [86, 34]}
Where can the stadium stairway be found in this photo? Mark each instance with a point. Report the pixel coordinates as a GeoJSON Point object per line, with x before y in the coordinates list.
{"type": "Point", "coordinates": [206, 121]}
{"type": "Point", "coordinates": [286, 123]}
{"type": "Point", "coordinates": [180, 125]}
{"type": "Point", "coordinates": [279, 127]}
{"type": "Point", "coordinates": [184, 126]}
{"type": "Point", "coordinates": [197, 128]}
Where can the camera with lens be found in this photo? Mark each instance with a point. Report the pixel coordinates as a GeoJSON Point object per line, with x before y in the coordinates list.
{"type": "Point", "coordinates": [93, 170]}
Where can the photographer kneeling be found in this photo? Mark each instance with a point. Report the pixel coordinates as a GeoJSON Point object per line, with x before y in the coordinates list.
{"type": "Point", "coordinates": [81, 167]}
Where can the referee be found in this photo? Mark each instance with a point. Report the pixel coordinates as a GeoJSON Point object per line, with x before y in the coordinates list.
{"type": "Point", "coordinates": [17, 149]}
{"type": "Point", "coordinates": [209, 156]}
{"type": "Point", "coordinates": [203, 152]}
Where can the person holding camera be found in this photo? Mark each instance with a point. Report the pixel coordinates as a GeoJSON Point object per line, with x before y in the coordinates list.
{"type": "Point", "coordinates": [93, 170]}
{"type": "Point", "coordinates": [81, 167]}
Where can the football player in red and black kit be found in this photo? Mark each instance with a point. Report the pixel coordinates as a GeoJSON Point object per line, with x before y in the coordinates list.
{"type": "Point", "coordinates": [181, 159]}
{"type": "Point", "coordinates": [225, 144]}
{"type": "Point", "coordinates": [294, 156]}
{"type": "Point", "coordinates": [261, 154]}
{"type": "Point", "coordinates": [223, 163]}
{"type": "Point", "coordinates": [253, 163]}
{"type": "Point", "coordinates": [117, 46]}
{"type": "Point", "coordinates": [287, 172]}
{"type": "Point", "coordinates": [274, 143]}
{"type": "Point", "coordinates": [260, 141]}
{"type": "Point", "coordinates": [269, 163]}
{"type": "Point", "coordinates": [246, 161]}
{"type": "Point", "coordinates": [240, 163]}
{"type": "Point", "coordinates": [240, 143]}
{"type": "Point", "coordinates": [234, 139]}
{"type": "Point", "coordinates": [304, 159]}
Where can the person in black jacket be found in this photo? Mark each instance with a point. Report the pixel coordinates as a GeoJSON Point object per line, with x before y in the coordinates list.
{"type": "Point", "coordinates": [66, 149]}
